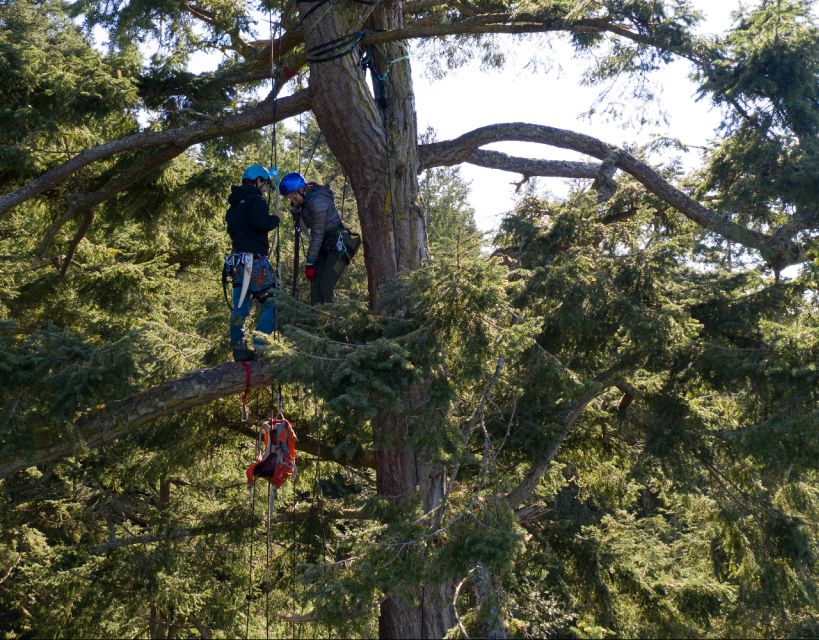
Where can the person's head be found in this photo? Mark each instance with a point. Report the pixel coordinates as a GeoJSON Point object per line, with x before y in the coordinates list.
{"type": "Point", "coordinates": [293, 187]}
{"type": "Point", "coordinates": [257, 176]}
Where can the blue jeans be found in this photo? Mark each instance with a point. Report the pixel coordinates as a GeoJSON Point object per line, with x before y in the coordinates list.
{"type": "Point", "coordinates": [262, 279]}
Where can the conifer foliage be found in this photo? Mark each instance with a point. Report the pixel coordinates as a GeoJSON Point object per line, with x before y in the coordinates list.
{"type": "Point", "coordinates": [614, 397]}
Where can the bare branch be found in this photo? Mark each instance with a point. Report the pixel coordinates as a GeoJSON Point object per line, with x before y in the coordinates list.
{"type": "Point", "coordinates": [535, 473]}
{"type": "Point", "coordinates": [519, 24]}
{"type": "Point", "coordinates": [180, 138]}
{"type": "Point", "coordinates": [526, 166]}
{"type": "Point", "coordinates": [630, 392]}
{"type": "Point", "coordinates": [12, 568]}
{"type": "Point", "coordinates": [72, 249]}
{"type": "Point", "coordinates": [778, 251]}
{"type": "Point", "coordinates": [414, 6]}
{"type": "Point", "coordinates": [455, 597]}
{"type": "Point", "coordinates": [52, 232]}
{"type": "Point", "coordinates": [298, 618]}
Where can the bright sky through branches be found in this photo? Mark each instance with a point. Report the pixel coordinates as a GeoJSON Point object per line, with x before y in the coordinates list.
{"type": "Point", "coordinates": [469, 98]}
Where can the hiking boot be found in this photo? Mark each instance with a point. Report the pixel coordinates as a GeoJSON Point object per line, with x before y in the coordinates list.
{"type": "Point", "coordinates": [243, 354]}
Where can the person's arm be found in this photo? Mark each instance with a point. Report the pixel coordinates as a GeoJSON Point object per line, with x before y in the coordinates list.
{"type": "Point", "coordinates": [260, 217]}
{"type": "Point", "coordinates": [320, 207]}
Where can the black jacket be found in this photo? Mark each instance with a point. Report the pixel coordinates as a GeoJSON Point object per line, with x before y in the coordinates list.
{"type": "Point", "coordinates": [249, 220]}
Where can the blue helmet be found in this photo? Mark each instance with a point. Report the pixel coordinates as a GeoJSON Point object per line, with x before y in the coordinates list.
{"type": "Point", "coordinates": [292, 182]}
{"type": "Point", "coordinates": [258, 171]}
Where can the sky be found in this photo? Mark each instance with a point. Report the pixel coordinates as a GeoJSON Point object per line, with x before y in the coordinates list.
{"type": "Point", "coordinates": [470, 97]}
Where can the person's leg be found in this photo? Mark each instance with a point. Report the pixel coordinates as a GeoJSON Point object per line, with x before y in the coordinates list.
{"type": "Point", "coordinates": [263, 280]}
{"type": "Point", "coordinates": [237, 320]}
{"type": "Point", "coordinates": [328, 275]}
{"type": "Point", "coordinates": [315, 290]}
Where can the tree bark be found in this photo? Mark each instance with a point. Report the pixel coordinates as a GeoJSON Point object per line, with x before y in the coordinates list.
{"type": "Point", "coordinates": [376, 146]}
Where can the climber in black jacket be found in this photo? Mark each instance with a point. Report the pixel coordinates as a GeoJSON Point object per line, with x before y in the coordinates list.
{"type": "Point", "coordinates": [248, 223]}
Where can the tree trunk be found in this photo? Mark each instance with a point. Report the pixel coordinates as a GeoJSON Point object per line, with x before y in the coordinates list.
{"type": "Point", "coordinates": [377, 149]}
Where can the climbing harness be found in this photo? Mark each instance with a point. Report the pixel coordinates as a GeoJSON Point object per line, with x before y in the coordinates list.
{"type": "Point", "coordinates": [244, 261]}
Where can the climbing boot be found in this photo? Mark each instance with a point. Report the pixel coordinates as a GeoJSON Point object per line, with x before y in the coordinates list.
{"type": "Point", "coordinates": [243, 354]}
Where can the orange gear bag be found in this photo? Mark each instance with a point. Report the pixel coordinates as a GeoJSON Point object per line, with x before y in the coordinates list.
{"type": "Point", "coordinates": [277, 462]}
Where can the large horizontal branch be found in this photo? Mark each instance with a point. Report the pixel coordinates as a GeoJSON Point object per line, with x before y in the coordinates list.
{"type": "Point", "coordinates": [508, 23]}
{"type": "Point", "coordinates": [183, 137]}
{"type": "Point", "coordinates": [779, 253]}
{"type": "Point", "coordinates": [527, 166]}
{"type": "Point", "coordinates": [120, 418]}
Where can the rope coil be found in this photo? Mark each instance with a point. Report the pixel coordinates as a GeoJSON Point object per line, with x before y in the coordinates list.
{"type": "Point", "coordinates": [336, 48]}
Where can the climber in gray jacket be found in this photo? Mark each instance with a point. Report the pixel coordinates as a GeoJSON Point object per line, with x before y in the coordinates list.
{"type": "Point", "coordinates": [332, 246]}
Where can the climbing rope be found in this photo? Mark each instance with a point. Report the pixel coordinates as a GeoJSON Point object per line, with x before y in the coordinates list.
{"type": "Point", "coordinates": [318, 3]}
{"type": "Point", "coordinates": [270, 498]}
{"type": "Point", "coordinates": [249, 597]}
{"type": "Point", "coordinates": [312, 152]}
{"type": "Point", "coordinates": [251, 486]}
{"type": "Point", "coordinates": [335, 48]}
{"type": "Point", "coordinates": [293, 562]}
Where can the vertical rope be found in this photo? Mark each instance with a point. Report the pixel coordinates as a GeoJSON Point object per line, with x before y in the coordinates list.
{"type": "Point", "coordinates": [274, 160]}
{"type": "Point", "coordinates": [318, 485]}
{"type": "Point", "coordinates": [250, 576]}
{"type": "Point", "coordinates": [258, 450]}
{"type": "Point", "coordinates": [270, 497]}
{"type": "Point", "coordinates": [301, 126]}
{"type": "Point", "coordinates": [293, 560]}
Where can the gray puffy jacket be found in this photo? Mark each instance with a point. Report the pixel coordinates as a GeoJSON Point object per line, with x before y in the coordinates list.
{"type": "Point", "coordinates": [319, 214]}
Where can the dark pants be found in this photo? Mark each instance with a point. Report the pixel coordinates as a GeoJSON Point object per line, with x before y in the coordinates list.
{"type": "Point", "coordinates": [336, 253]}
{"type": "Point", "coordinates": [262, 279]}
{"type": "Point", "coordinates": [329, 268]}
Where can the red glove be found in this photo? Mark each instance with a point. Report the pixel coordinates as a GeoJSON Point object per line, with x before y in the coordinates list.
{"type": "Point", "coordinates": [310, 272]}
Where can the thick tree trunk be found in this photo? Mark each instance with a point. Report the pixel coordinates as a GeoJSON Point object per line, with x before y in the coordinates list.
{"type": "Point", "coordinates": [378, 150]}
